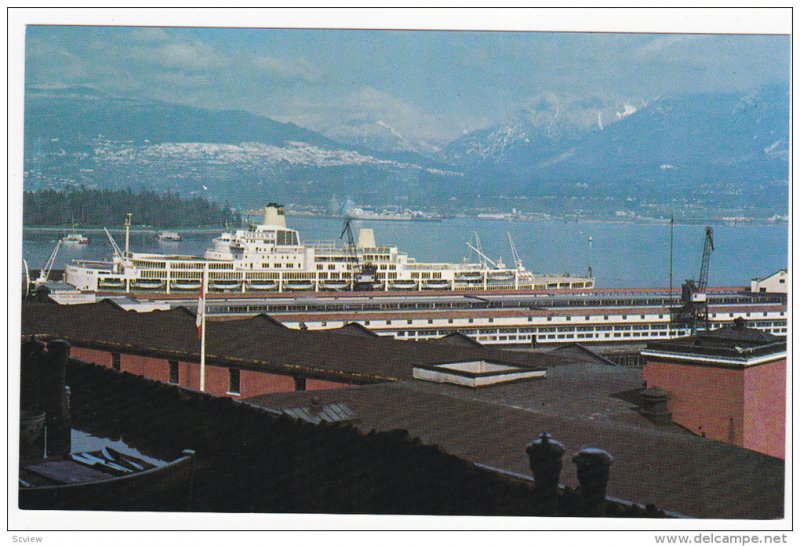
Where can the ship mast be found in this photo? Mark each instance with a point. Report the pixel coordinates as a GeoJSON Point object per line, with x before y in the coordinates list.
{"type": "Point", "coordinates": [127, 233]}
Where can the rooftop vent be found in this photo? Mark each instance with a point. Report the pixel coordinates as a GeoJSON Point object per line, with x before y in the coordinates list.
{"type": "Point", "coordinates": [476, 373]}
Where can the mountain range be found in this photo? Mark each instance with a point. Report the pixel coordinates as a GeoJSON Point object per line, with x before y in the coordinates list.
{"type": "Point", "coordinates": [720, 151]}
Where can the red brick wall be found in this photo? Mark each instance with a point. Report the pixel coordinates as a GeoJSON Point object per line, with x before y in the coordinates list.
{"type": "Point", "coordinates": [702, 398]}
{"type": "Point", "coordinates": [765, 408]}
{"type": "Point", "coordinates": [320, 385]}
{"type": "Point", "coordinates": [251, 383]}
{"type": "Point", "coordinates": [103, 358]}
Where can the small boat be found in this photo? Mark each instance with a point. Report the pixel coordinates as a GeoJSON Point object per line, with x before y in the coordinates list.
{"type": "Point", "coordinates": [403, 284]}
{"type": "Point", "coordinates": [169, 237]}
{"type": "Point", "coordinates": [186, 285]}
{"type": "Point", "coordinates": [147, 284]}
{"type": "Point", "coordinates": [298, 285]}
{"type": "Point", "coordinates": [436, 285]}
{"type": "Point", "coordinates": [75, 238]}
{"type": "Point", "coordinates": [111, 283]}
{"type": "Point", "coordinates": [262, 285]}
{"type": "Point", "coordinates": [335, 284]}
{"type": "Point", "coordinates": [225, 285]}
{"type": "Point", "coordinates": [105, 480]}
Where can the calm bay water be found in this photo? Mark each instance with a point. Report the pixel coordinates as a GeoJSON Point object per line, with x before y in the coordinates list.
{"type": "Point", "coordinates": [621, 255]}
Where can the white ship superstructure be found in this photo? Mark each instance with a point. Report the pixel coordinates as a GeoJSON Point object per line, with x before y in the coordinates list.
{"type": "Point", "coordinates": [271, 257]}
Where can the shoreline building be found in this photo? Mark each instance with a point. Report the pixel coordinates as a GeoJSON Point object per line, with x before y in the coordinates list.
{"type": "Point", "coordinates": [727, 385]}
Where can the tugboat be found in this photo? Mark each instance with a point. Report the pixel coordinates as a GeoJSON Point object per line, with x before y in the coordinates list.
{"type": "Point", "coordinates": [169, 237]}
{"type": "Point", "coordinates": [75, 238]}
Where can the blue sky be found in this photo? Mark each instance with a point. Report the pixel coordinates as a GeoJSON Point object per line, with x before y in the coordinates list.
{"type": "Point", "coordinates": [430, 85]}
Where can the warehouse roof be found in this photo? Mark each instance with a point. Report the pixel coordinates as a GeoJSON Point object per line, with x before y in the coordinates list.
{"type": "Point", "coordinates": [258, 342]}
{"type": "Point", "coordinates": [664, 465]}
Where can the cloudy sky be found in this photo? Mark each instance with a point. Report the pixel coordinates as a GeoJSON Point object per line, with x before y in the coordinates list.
{"type": "Point", "coordinates": [428, 85]}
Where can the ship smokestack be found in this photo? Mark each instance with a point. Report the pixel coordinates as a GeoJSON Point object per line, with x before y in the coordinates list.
{"type": "Point", "coordinates": [273, 215]}
{"type": "Point", "coordinates": [366, 238]}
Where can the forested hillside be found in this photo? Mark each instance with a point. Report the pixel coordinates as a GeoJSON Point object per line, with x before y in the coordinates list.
{"type": "Point", "coordinates": [109, 207]}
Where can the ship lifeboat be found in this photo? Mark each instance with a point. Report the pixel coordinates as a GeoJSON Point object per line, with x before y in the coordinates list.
{"type": "Point", "coordinates": [225, 285]}
{"type": "Point", "coordinates": [262, 285]}
{"type": "Point", "coordinates": [335, 285]}
{"type": "Point", "coordinates": [403, 284]}
{"type": "Point", "coordinates": [147, 284]}
{"type": "Point", "coordinates": [298, 285]}
{"type": "Point", "coordinates": [111, 283]}
{"type": "Point", "coordinates": [469, 276]}
{"type": "Point", "coordinates": [436, 285]}
{"type": "Point", "coordinates": [186, 285]}
{"type": "Point", "coordinates": [501, 276]}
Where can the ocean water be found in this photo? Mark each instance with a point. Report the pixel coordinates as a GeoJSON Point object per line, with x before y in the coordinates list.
{"type": "Point", "coordinates": [621, 255]}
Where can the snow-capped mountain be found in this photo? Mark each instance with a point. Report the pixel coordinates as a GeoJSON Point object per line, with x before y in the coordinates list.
{"type": "Point", "coordinates": [545, 127]}
{"type": "Point", "coordinates": [378, 135]}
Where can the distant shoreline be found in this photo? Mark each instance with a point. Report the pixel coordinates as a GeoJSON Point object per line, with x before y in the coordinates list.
{"type": "Point", "coordinates": [212, 229]}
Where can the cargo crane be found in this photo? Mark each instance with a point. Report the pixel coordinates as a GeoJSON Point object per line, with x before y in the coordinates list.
{"type": "Point", "coordinates": [362, 276]}
{"type": "Point", "coordinates": [694, 302]}
{"type": "Point", "coordinates": [44, 272]}
{"type": "Point", "coordinates": [514, 253]}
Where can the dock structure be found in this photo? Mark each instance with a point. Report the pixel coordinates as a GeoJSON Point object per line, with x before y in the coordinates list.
{"type": "Point", "coordinates": [514, 318]}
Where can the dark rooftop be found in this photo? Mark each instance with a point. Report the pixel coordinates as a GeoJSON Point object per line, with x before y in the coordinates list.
{"type": "Point", "coordinates": [259, 342]}
{"type": "Point", "coordinates": [733, 341]}
{"type": "Point", "coordinates": [582, 406]}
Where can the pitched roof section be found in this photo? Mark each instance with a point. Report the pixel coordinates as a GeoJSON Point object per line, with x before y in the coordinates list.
{"type": "Point", "coordinates": [673, 469]}
{"type": "Point", "coordinates": [456, 339]}
{"type": "Point", "coordinates": [259, 342]}
{"type": "Point", "coordinates": [577, 352]}
{"type": "Point", "coordinates": [355, 329]}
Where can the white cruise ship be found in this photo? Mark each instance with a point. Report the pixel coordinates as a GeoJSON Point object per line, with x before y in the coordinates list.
{"type": "Point", "coordinates": [271, 257]}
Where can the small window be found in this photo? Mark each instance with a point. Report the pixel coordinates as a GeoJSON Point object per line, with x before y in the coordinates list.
{"type": "Point", "coordinates": [115, 361]}
{"type": "Point", "coordinates": [299, 383]}
{"type": "Point", "coordinates": [173, 372]}
{"type": "Point", "coordinates": [233, 381]}
{"type": "Point", "coordinates": [549, 319]}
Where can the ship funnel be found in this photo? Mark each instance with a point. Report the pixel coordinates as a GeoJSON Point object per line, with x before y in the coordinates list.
{"type": "Point", "coordinates": [366, 238]}
{"type": "Point", "coordinates": [273, 215]}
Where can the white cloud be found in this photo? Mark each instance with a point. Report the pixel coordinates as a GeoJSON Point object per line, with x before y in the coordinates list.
{"type": "Point", "coordinates": [295, 69]}
{"type": "Point", "coordinates": [661, 44]}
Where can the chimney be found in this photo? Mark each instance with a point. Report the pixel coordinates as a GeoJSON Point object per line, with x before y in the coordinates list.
{"type": "Point", "coordinates": [653, 402]}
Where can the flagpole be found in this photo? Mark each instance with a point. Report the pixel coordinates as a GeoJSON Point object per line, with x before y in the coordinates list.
{"type": "Point", "coordinates": [203, 332]}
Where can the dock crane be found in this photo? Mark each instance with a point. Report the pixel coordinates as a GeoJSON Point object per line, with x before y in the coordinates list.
{"type": "Point", "coordinates": [362, 276]}
{"type": "Point", "coordinates": [514, 253]}
{"type": "Point", "coordinates": [44, 272]}
{"type": "Point", "coordinates": [694, 303]}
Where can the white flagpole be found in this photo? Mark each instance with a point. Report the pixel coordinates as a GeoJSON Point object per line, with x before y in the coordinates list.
{"type": "Point", "coordinates": [203, 287]}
